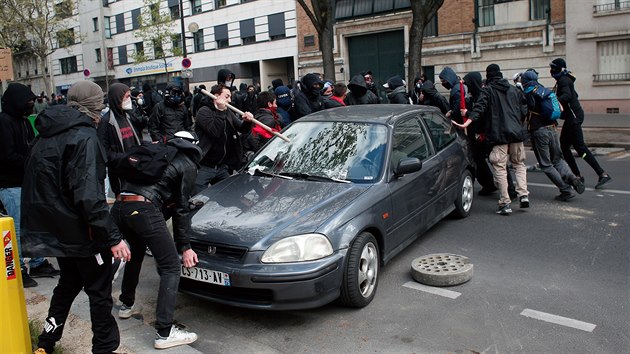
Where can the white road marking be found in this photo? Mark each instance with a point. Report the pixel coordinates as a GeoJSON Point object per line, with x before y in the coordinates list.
{"type": "Point", "coordinates": [620, 157]}
{"type": "Point", "coordinates": [605, 190]}
{"type": "Point", "coordinates": [432, 290]}
{"type": "Point", "coordinates": [563, 321]}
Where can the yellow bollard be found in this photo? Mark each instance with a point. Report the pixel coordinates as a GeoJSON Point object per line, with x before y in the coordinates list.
{"type": "Point", "coordinates": [16, 337]}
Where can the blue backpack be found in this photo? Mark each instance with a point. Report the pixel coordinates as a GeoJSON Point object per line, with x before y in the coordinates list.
{"type": "Point", "coordinates": [550, 107]}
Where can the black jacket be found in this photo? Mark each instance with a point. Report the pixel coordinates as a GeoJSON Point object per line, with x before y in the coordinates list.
{"type": "Point", "coordinates": [218, 136]}
{"type": "Point", "coordinates": [572, 111]}
{"type": "Point", "coordinates": [173, 191]}
{"type": "Point", "coordinates": [16, 133]}
{"type": "Point", "coordinates": [399, 96]}
{"type": "Point", "coordinates": [306, 98]}
{"type": "Point", "coordinates": [165, 121]}
{"type": "Point", "coordinates": [454, 99]}
{"type": "Point", "coordinates": [433, 98]}
{"type": "Point", "coordinates": [359, 92]}
{"type": "Point", "coordinates": [255, 140]}
{"type": "Point", "coordinates": [501, 110]}
{"type": "Point", "coordinates": [64, 211]}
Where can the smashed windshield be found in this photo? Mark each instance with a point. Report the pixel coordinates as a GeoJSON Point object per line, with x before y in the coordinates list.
{"type": "Point", "coordinates": [335, 150]}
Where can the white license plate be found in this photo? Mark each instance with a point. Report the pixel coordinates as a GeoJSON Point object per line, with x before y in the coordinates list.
{"type": "Point", "coordinates": [206, 276]}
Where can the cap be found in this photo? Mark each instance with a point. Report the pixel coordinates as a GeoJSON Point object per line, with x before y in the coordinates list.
{"type": "Point", "coordinates": [558, 63]}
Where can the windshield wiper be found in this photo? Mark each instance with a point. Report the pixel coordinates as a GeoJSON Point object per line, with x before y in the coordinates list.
{"type": "Point", "coordinates": [309, 177]}
{"type": "Point", "coordinates": [257, 171]}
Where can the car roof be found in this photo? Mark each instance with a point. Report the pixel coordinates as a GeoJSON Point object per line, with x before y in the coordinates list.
{"type": "Point", "coordinates": [370, 113]}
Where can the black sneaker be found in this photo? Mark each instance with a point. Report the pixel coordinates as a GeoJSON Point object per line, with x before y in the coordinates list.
{"type": "Point", "coordinates": [578, 185]}
{"type": "Point", "coordinates": [565, 196]}
{"type": "Point", "coordinates": [45, 270]}
{"type": "Point", "coordinates": [27, 281]}
{"type": "Point", "coordinates": [602, 180]}
{"type": "Point", "coordinates": [504, 209]}
{"type": "Point", "coordinates": [524, 201]}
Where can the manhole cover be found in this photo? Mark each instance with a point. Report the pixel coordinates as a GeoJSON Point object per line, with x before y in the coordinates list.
{"type": "Point", "coordinates": [441, 269]}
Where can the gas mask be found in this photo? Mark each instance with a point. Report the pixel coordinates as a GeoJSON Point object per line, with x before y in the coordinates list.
{"type": "Point", "coordinates": [140, 101]}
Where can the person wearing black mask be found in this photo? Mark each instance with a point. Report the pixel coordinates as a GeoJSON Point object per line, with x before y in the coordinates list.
{"type": "Point", "coordinates": [307, 98]}
{"type": "Point", "coordinates": [573, 116]}
{"type": "Point", "coordinates": [116, 130]}
{"type": "Point", "coordinates": [169, 116]}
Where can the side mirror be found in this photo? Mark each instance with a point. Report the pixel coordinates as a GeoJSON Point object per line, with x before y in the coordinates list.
{"type": "Point", "coordinates": [407, 165]}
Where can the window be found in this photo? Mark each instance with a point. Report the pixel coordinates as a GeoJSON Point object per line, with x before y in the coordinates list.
{"type": "Point", "coordinates": [122, 55]}
{"type": "Point", "coordinates": [174, 9]}
{"type": "Point", "coordinates": [177, 41]}
{"type": "Point", "coordinates": [158, 50]}
{"type": "Point", "coordinates": [135, 19]}
{"type": "Point", "coordinates": [95, 23]}
{"type": "Point", "coordinates": [485, 13]}
{"type": "Point", "coordinates": [219, 3]}
{"type": "Point", "coordinates": [353, 8]}
{"type": "Point", "coordinates": [110, 58]}
{"type": "Point", "coordinates": [155, 12]}
{"type": "Point", "coordinates": [120, 23]}
{"type": "Point", "coordinates": [248, 31]}
{"type": "Point", "coordinates": [195, 5]}
{"type": "Point", "coordinates": [198, 41]}
{"type": "Point", "coordinates": [442, 132]}
{"type": "Point", "coordinates": [221, 36]}
{"type": "Point", "coordinates": [276, 26]}
{"type": "Point", "coordinates": [613, 64]}
{"type": "Point", "coordinates": [65, 38]}
{"type": "Point", "coordinates": [538, 9]}
{"type": "Point", "coordinates": [611, 5]}
{"type": "Point", "coordinates": [409, 141]}
{"type": "Point", "coordinates": [97, 53]}
{"type": "Point", "coordinates": [108, 26]}
{"type": "Point", "coordinates": [64, 8]}
{"type": "Point", "coordinates": [309, 41]}
{"type": "Point", "coordinates": [139, 48]}
{"type": "Point", "coordinates": [68, 65]}
{"type": "Point", "coordinates": [431, 29]}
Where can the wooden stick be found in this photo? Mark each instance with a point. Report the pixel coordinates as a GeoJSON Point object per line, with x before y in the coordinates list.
{"type": "Point", "coordinates": [254, 120]}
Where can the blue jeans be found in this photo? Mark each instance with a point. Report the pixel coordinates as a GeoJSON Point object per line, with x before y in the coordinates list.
{"type": "Point", "coordinates": [12, 200]}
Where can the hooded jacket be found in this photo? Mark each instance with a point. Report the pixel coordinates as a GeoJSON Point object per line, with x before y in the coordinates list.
{"type": "Point", "coordinates": [16, 133]}
{"type": "Point", "coordinates": [166, 120]}
{"type": "Point", "coordinates": [572, 111]}
{"type": "Point", "coordinates": [500, 111]}
{"type": "Point", "coordinates": [173, 191]}
{"type": "Point", "coordinates": [223, 74]}
{"type": "Point", "coordinates": [64, 211]}
{"type": "Point", "coordinates": [307, 99]}
{"type": "Point", "coordinates": [454, 96]}
{"type": "Point", "coordinates": [433, 98]}
{"type": "Point", "coordinates": [473, 82]}
{"type": "Point", "coordinates": [358, 92]}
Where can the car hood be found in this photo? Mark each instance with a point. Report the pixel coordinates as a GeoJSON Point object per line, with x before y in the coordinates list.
{"type": "Point", "coordinates": [253, 212]}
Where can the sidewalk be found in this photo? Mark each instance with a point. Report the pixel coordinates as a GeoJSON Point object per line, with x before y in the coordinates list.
{"type": "Point", "coordinates": [136, 333]}
{"type": "Point", "coordinates": [607, 131]}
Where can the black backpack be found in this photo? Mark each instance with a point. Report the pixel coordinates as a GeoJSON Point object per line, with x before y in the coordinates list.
{"type": "Point", "coordinates": [146, 163]}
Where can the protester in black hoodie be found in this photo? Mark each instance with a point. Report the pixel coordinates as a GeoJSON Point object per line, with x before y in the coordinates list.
{"type": "Point", "coordinates": [307, 98]}
{"type": "Point", "coordinates": [430, 96]}
{"type": "Point", "coordinates": [359, 92]}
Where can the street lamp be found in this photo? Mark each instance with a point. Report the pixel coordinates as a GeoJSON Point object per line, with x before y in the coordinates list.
{"type": "Point", "coordinates": [193, 27]}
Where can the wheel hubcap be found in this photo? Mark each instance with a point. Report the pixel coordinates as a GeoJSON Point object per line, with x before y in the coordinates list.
{"type": "Point", "coordinates": [368, 269]}
{"type": "Point", "coordinates": [467, 193]}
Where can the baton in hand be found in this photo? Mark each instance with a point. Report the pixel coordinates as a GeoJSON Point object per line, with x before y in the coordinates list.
{"type": "Point", "coordinates": [254, 120]}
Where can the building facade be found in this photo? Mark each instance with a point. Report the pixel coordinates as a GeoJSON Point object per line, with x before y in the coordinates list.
{"type": "Point", "coordinates": [254, 39]}
{"type": "Point", "coordinates": [468, 35]}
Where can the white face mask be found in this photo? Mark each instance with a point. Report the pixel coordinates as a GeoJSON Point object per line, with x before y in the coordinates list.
{"type": "Point", "coordinates": [228, 84]}
{"type": "Point", "coordinates": [140, 101]}
{"type": "Point", "coordinates": [126, 104]}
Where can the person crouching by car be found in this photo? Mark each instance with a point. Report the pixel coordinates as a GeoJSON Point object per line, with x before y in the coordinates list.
{"type": "Point", "coordinates": [140, 211]}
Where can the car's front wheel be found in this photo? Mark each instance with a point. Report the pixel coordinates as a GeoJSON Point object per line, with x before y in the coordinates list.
{"type": "Point", "coordinates": [361, 274]}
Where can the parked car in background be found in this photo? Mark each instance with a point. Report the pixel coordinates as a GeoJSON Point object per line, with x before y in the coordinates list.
{"type": "Point", "coordinates": [313, 220]}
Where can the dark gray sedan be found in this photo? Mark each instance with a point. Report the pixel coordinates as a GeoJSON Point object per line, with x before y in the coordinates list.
{"type": "Point", "coordinates": [311, 221]}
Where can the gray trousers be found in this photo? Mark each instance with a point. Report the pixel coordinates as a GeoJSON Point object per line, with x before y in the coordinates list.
{"type": "Point", "coordinates": [546, 146]}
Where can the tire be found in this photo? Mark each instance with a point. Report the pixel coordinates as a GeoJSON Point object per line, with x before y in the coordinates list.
{"type": "Point", "coordinates": [360, 278]}
{"type": "Point", "coordinates": [465, 196]}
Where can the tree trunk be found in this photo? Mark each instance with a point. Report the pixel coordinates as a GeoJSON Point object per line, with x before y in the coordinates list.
{"type": "Point", "coordinates": [415, 50]}
{"type": "Point", "coordinates": [326, 47]}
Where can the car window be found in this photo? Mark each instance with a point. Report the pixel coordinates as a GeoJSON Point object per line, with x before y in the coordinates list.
{"type": "Point", "coordinates": [442, 131]}
{"type": "Point", "coordinates": [409, 141]}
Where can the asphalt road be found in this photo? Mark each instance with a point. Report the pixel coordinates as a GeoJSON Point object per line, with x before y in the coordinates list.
{"type": "Point", "coordinates": [553, 278]}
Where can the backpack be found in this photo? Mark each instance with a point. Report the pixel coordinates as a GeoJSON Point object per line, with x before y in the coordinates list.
{"type": "Point", "coordinates": [146, 163]}
{"type": "Point", "coordinates": [550, 107]}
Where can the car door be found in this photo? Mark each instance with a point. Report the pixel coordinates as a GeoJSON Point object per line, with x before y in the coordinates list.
{"type": "Point", "coordinates": [412, 195]}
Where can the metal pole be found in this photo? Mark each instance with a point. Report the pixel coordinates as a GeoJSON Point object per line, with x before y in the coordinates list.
{"type": "Point", "coordinates": [548, 12]}
{"type": "Point", "coordinates": [184, 52]}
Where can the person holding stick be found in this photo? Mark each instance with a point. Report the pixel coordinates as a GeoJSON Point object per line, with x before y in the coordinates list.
{"type": "Point", "coordinates": [218, 128]}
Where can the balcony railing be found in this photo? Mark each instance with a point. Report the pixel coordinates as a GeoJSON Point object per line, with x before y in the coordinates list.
{"type": "Point", "coordinates": [613, 6]}
{"type": "Point", "coordinates": [611, 77]}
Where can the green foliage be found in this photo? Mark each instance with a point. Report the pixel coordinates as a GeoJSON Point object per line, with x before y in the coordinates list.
{"type": "Point", "coordinates": [156, 27]}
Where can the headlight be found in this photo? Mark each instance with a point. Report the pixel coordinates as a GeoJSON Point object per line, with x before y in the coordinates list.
{"type": "Point", "coordinates": [299, 248]}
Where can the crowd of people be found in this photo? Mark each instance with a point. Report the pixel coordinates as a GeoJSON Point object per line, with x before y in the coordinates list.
{"type": "Point", "coordinates": [54, 185]}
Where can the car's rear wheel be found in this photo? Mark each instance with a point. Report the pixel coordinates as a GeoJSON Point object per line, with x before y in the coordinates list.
{"type": "Point", "coordinates": [360, 278]}
{"type": "Point", "coordinates": [465, 195]}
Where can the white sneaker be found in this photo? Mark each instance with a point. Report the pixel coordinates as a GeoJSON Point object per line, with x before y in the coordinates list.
{"type": "Point", "coordinates": [177, 337]}
{"type": "Point", "coordinates": [126, 311]}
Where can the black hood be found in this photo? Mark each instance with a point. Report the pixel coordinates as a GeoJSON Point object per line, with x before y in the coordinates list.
{"type": "Point", "coordinates": [309, 80]}
{"type": "Point", "coordinates": [191, 150]}
{"type": "Point", "coordinates": [223, 74]}
{"type": "Point", "coordinates": [15, 99]}
{"type": "Point", "coordinates": [473, 81]}
{"type": "Point", "coordinates": [357, 85]}
{"type": "Point", "coordinates": [429, 88]}
{"type": "Point", "coordinates": [115, 96]}
{"type": "Point", "coordinates": [500, 84]}
{"type": "Point", "coordinates": [59, 118]}
{"type": "Point", "coordinates": [449, 75]}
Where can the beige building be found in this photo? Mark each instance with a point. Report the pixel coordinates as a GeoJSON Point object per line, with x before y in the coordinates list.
{"type": "Point", "coordinates": [467, 35]}
{"type": "Point", "coordinates": [598, 52]}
